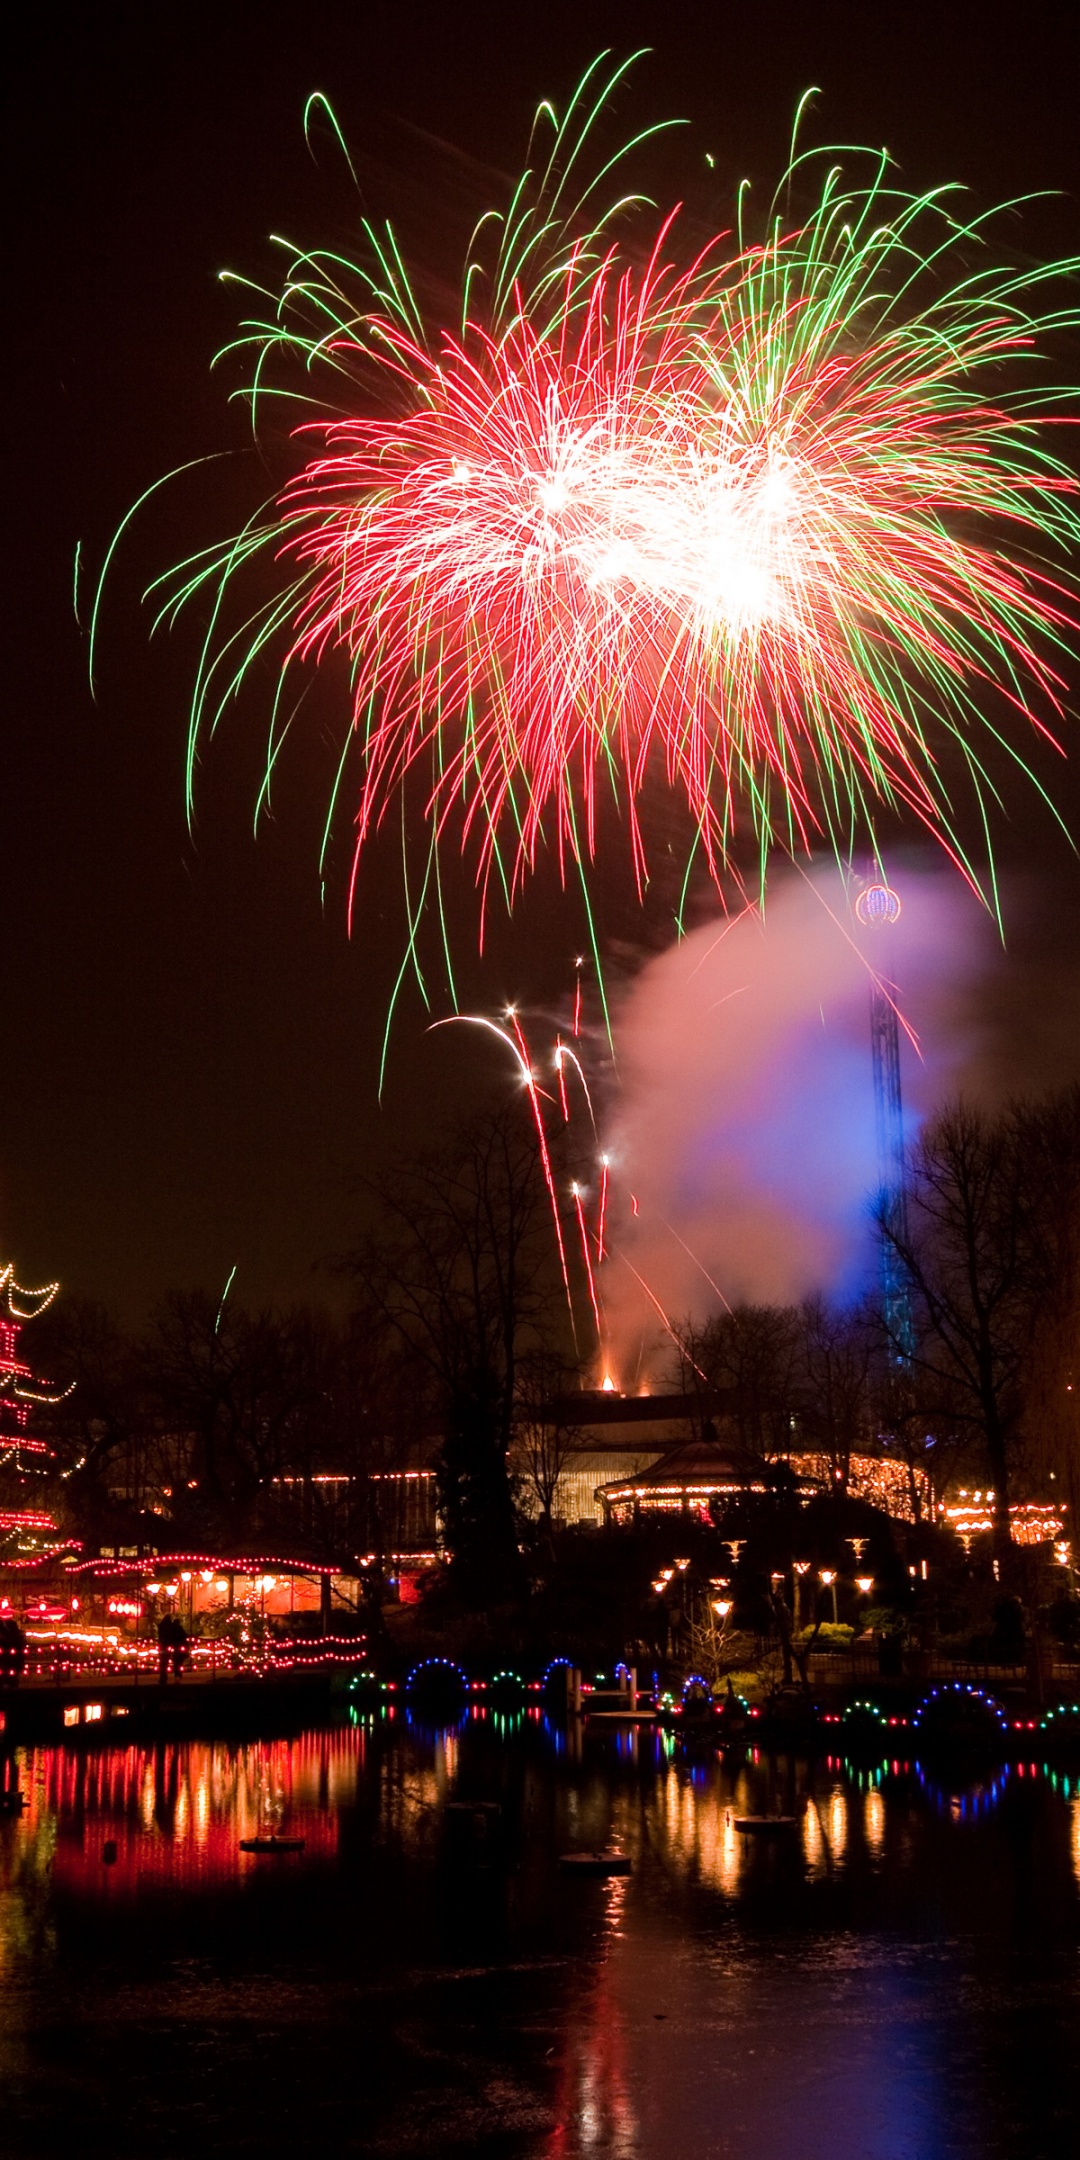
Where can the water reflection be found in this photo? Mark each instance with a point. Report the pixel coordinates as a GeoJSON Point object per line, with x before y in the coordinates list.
{"type": "Point", "coordinates": [172, 1816]}
{"type": "Point", "coordinates": [963, 1799]}
{"type": "Point", "coordinates": [874, 1821]}
{"type": "Point", "coordinates": [840, 1990]}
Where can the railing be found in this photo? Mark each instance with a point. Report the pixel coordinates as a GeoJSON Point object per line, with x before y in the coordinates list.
{"type": "Point", "coordinates": [836, 1667]}
{"type": "Point", "coordinates": [57, 1655]}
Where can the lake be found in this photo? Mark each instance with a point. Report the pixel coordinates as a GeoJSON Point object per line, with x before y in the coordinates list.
{"type": "Point", "coordinates": [898, 1980]}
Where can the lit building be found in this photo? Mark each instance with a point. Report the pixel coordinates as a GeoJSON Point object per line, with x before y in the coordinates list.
{"type": "Point", "coordinates": [616, 1444]}
{"type": "Point", "coordinates": [684, 1481]}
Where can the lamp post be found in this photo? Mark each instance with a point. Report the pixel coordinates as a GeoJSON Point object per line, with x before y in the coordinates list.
{"type": "Point", "coordinates": [722, 1608]}
{"type": "Point", "coordinates": [800, 1568]}
{"type": "Point", "coordinates": [828, 1578]}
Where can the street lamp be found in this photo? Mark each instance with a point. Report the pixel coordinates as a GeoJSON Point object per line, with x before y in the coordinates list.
{"type": "Point", "coordinates": [800, 1568]}
{"type": "Point", "coordinates": [721, 1606]}
{"type": "Point", "coordinates": [828, 1578]}
{"type": "Point", "coordinates": [865, 1583]}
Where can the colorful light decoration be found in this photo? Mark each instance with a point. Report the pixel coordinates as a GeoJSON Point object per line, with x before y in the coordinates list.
{"type": "Point", "coordinates": [437, 1668]}
{"type": "Point", "coordinates": [19, 1391]}
{"type": "Point", "coordinates": [862, 1707]}
{"type": "Point", "coordinates": [957, 1691]}
{"type": "Point", "coordinates": [1031, 1522]}
{"type": "Point", "coordinates": [773, 525]}
{"type": "Point", "coordinates": [1063, 1712]}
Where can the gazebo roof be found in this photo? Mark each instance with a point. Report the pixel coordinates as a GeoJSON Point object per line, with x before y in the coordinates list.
{"type": "Point", "coordinates": [699, 1465]}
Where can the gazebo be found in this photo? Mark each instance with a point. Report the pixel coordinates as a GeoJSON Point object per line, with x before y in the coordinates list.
{"type": "Point", "coordinates": [684, 1480]}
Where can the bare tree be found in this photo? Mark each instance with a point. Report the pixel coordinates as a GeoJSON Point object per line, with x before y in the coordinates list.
{"type": "Point", "coordinates": [458, 1264]}
{"type": "Point", "coordinates": [240, 1398]}
{"type": "Point", "coordinates": [837, 1358]}
{"type": "Point", "coordinates": [990, 1258]}
{"type": "Point", "coordinates": [751, 1355]}
{"type": "Point", "coordinates": [97, 1427]}
{"type": "Point", "coordinates": [544, 1434]}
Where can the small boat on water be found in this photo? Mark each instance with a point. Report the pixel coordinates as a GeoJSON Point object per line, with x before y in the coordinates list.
{"type": "Point", "coordinates": [595, 1863]}
{"type": "Point", "coordinates": [272, 1844]}
{"type": "Point", "coordinates": [766, 1825]}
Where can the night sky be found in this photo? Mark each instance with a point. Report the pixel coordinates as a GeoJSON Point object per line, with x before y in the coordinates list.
{"type": "Point", "coordinates": [190, 1073]}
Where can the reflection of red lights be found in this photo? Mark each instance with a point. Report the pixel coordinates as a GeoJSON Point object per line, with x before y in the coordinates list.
{"type": "Point", "coordinates": [175, 1815]}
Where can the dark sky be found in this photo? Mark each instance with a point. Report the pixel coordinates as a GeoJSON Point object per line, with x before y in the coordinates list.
{"type": "Point", "coordinates": [190, 1072]}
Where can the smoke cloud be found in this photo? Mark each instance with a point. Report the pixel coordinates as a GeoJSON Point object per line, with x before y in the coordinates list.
{"type": "Point", "coordinates": [744, 1129]}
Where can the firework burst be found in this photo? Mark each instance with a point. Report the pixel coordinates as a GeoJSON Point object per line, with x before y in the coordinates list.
{"type": "Point", "coordinates": [774, 527]}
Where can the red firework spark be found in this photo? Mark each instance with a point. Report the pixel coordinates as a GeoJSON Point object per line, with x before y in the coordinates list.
{"type": "Point", "coordinates": [686, 529]}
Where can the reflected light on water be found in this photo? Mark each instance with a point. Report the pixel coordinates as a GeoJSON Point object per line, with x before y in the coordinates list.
{"type": "Point", "coordinates": [176, 1813]}
{"type": "Point", "coordinates": [813, 1842]}
{"type": "Point", "coordinates": [838, 1823]}
{"type": "Point", "coordinates": [733, 1998]}
{"type": "Point", "coordinates": [595, 2104]}
{"type": "Point", "coordinates": [729, 1855]}
{"type": "Point", "coordinates": [698, 1827]}
{"type": "Point", "coordinates": [874, 1820]}
{"type": "Point", "coordinates": [446, 1760]}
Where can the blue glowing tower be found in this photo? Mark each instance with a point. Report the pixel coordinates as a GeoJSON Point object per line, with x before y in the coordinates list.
{"type": "Point", "coordinates": [878, 906]}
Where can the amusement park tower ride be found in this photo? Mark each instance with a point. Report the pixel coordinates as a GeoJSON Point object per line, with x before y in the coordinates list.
{"type": "Point", "coordinates": [878, 907]}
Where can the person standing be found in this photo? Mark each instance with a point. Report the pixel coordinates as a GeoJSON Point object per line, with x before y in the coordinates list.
{"type": "Point", "coordinates": [179, 1647]}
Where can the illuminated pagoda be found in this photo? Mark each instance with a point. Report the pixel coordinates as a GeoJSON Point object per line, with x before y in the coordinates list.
{"type": "Point", "coordinates": [23, 1530]}
{"type": "Point", "coordinates": [20, 1390]}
